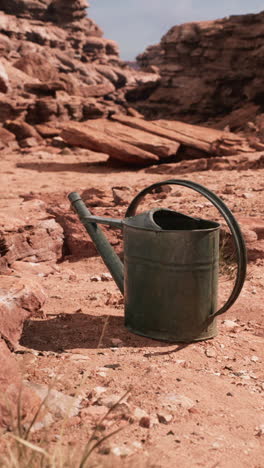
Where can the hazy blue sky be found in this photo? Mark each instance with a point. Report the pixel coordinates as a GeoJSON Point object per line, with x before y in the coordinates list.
{"type": "Point", "coordinates": [135, 24]}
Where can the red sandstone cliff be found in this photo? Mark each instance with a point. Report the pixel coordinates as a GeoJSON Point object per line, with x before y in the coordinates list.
{"type": "Point", "coordinates": [208, 70]}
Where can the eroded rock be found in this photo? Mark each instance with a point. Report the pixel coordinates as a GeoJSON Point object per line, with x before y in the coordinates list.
{"type": "Point", "coordinates": [28, 234]}
{"type": "Point", "coordinates": [19, 299]}
{"type": "Point", "coordinates": [198, 82]}
{"type": "Point", "coordinates": [10, 389]}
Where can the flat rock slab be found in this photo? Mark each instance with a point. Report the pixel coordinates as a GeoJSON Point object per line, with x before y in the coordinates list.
{"type": "Point", "coordinates": [162, 147]}
{"type": "Point", "coordinates": [211, 141]}
{"type": "Point", "coordinates": [79, 134]}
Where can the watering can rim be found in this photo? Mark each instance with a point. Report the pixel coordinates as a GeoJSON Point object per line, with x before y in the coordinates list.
{"type": "Point", "coordinates": [157, 229]}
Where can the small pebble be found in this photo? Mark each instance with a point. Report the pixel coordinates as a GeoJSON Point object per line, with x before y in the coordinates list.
{"type": "Point", "coordinates": [254, 359]}
{"type": "Point", "coordinates": [210, 352]}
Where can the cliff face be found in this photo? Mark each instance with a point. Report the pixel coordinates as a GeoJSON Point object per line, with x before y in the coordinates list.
{"type": "Point", "coordinates": [60, 12]}
{"type": "Point", "coordinates": [208, 69]}
{"type": "Point", "coordinates": [56, 64]}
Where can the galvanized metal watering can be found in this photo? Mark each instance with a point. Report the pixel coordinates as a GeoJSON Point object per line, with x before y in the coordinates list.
{"type": "Point", "coordinates": [170, 274]}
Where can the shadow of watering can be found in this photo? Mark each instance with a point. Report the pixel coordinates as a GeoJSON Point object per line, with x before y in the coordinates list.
{"type": "Point", "coordinates": [170, 274]}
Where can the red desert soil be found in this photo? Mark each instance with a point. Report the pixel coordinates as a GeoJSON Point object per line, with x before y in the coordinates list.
{"type": "Point", "coordinates": [195, 405]}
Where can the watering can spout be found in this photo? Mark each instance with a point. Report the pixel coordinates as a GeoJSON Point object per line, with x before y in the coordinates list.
{"type": "Point", "coordinates": [151, 220]}
{"type": "Point", "coordinates": [110, 258]}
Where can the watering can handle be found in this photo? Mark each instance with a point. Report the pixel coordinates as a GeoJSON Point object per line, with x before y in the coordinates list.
{"type": "Point", "coordinates": [231, 221]}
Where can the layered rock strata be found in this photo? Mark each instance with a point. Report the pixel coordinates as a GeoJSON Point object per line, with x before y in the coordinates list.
{"type": "Point", "coordinates": [55, 64]}
{"type": "Point", "coordinates": [137, 142]}
{"type": "Point", "coordinates": [208, 69]}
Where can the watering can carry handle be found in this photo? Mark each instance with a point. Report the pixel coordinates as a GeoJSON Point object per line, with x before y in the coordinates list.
{"type": "Point", "coordinates": [231, 221]}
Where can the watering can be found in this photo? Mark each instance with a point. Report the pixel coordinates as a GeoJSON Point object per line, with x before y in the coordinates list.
{"type": "Point", "coordinates": [170, 274]}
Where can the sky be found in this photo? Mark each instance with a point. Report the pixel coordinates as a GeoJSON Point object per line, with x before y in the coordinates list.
{"type": "Point", "coordinates": [136, 24]}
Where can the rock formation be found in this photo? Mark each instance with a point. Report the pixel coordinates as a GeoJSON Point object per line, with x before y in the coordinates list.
{"type": "Point", "coordinates": [137, 142]}
{"type": "Point", "coordinates": [19, 300]}
{"type": "Point", "coordinates": [56, 64]}
{"type": "Point", "coordinates": [208, 70]}
{"type": "Point", "coordinates": [56, 67]}
{"type": "Point", "coordinates": [30, 243]}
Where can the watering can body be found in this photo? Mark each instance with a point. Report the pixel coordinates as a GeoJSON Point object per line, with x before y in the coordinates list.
{"type": "Point", "coordinates": [170, 274]}
{"type": "Point", "coordinates": [170, 280]}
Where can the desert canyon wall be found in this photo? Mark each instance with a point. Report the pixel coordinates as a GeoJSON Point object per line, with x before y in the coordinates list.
{"type": "Point", "coordinates": [208, 70]}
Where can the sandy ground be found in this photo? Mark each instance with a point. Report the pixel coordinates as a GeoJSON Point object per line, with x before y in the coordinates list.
{"type": "Point", "coordinates": [196, 405]}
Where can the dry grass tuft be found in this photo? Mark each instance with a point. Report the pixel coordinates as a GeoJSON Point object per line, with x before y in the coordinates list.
{"type": "Point", "coordinates": [19, 449]}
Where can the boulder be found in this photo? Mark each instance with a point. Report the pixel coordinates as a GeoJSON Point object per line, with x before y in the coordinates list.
{"type": "Point", "coordinates": [27, 233]}
{"type": "Point", "coordinates": [77, 243]}
{"type": "Point", "coordinates": [38, 66]}
{"type": "Point", "coordinates": [47, 132]}
{"type": "Point", "coordinates": [22, 130]}
{"type": "Point", "coordinates": [81, 134]}
{"type": "Point", "coordinates": [160, 146]}
{"type": "Point", "coordinates": [11, 108]}
{"type": "Point", "coordinates": [44, 110]}
{"type": "Point", "coordinates": [7, 139]}
{"type": "Point", "coordinates": [19, 299]}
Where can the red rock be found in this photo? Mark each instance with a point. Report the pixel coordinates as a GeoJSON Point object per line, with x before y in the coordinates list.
{"type": "Point", "coordinates": [17, 78]}
{"type": "Point", "coordinates": [10, 388]}
{"type": "Point", "coordinates": [19, 299]}
{"type": "Point", "coordinates": [158, 145]}
{"type": "Point", "coordinates": [60, 72]}
{"type": "Point", "coordinates": [122, 195]}
{"type": "Point", "coordinates": [6, 138]}
{"type": "Point", "coordinates": [145, 422]}
{"type": "Point", "coordinates": [29, 142]}
{"type": "Point", "coordinates": [4, 82]}
{"type": "Point", "coordinates": [241, 162]}
{"type": "Point", "coordinates": [12, 108]}
{"type": "Point", "coordinates": [86, 136]}
{"type": "Point", "coordinates": [45, 89]}
{"type": "Point", "coordinates": [211, 141]}
{"type": "Point", "coordinates": [151, 57]}
{"type": "Point", "coordinates": [198, 83]}
{"type": "Point", "coordinates": [77, 242]}
{"type": "Point", "coordinates": [22, 130]}
{"type": "Point", "coordinates": [32, 269]}
{"type": "Point", "coordinates": [27, 234]}
{"type": "Point", "coordinates": [36, 65]}
{"type": "Point", "coordinates": [21, 8]}
{"type": "Point", "coordinates": [44, 110]}
{"type": "Point", "coordinates": [47, 132]}
{"type": "Point", "coordinates": [5, 45]}
{"type": "Point", "coordinates": [65, 12]}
